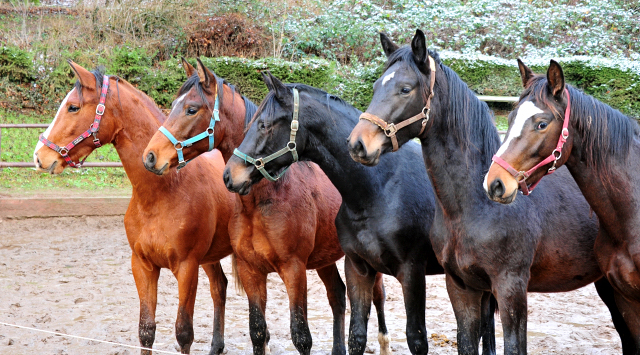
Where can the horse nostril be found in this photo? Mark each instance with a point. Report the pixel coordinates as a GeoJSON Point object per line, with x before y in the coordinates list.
{"type": "Point", "coordinates": [39, 163]}
{"type": "Point", "coordinates": [226, 178]}
{"type": "Point", "coordinates": [151, 160]}
{"type": "Point", "coordinates": [497, 188]}
{"type": "Point", "coordinates": [359, 149]}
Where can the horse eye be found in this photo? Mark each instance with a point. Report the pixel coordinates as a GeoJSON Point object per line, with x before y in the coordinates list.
{"type": "Point", "coordinates": [73, 108]}
{"type": "Point", "coordinates": [541, 125]}
{"type": "Point", "coordinates": [191, 111]}
{"type": "Point", "coordinates": [405, 90]}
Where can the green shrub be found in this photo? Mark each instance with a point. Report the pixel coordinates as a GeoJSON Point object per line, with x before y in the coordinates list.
{"type": "Point", "coordinates": [16, 64]}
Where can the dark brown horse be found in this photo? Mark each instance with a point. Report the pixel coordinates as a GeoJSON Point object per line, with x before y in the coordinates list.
{"type": "Point", "coordinates": [285, 227]}
{"type": "Point", "coordinates": [601, 148]}
{"type": "Point", "coordinates": [175, 221]}
{"type": "Point", "coordinates": [541, 244]}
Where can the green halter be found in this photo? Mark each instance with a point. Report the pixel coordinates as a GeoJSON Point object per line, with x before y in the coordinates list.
{"type": "Point", "coordinates": [291, 146]}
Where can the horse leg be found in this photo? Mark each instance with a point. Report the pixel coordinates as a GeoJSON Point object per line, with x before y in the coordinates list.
{"type": "Point", "coordinates": [467, 307]}
{"type": "Point", "coordinates": [336, 293]}
{"type": "Point", "coordinates": [511, 293]}
{"type": "Point", "coordinates": [255, 286]}
{"type": "Point", "coordinates": [413, 289]}
{"type": "Point", "coordinates": [187, 276]}
{"type": "Point", "coordinates": [489, 305]}
{"type": "Point", "coordinates": [630, 309]}
{"type": "Point", "coordinates": [360, 290]}
{"type": "Point", "coordinates": [379, 296]}
{"type": "Point", "coordinates": [218, 286]}
{"type": "Point", "coordinates": [294, 276]}
{"type": "Point", "coordinates": [146, 278]}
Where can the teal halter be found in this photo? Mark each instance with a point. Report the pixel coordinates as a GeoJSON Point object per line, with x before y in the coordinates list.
{"type": "Point", "coordinates": [291, 146]}
{"type": "Point", "coordinates": [179, 145]}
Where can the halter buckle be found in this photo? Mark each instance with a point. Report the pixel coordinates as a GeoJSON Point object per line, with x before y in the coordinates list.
{"type": "Point", "coordinates": [294, 126]}
{"type": "Point", "coordinates": [100, 109]}
{"type": "Point", "coordinates": [565, 133]}
{"type": "Point", "coordinates": [390, 130]}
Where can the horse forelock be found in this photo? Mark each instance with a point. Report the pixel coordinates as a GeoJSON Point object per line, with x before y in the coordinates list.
{"type": "Point", "coordinates": [605, 131]}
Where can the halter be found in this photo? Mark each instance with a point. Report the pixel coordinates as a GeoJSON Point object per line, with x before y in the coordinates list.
{"type": "Point", "coordinates": [521, 176]}
{"type": "Point", "coordinates": [179, 145]}
{"type": "Point", "coordinates": [291, 146]}
{"type": "Point", "coordinates": [390, 129]}
{"type": "Point", "coordinates": [93, 130]}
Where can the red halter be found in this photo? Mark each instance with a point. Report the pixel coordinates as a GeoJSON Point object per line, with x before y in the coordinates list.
{"type": "Point", "coordinates": [521, 176]}
{"type": "Point", "coordinates": [93, 130]}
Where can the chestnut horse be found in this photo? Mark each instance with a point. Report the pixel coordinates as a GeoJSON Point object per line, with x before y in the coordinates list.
{"type": "Point", "coordinates": [601, 148]}
{"type": "Point", "coordinates": [541, 244]}
{"type": "Point", "coordinates": [175, 221]}
{"type": "Point", "coordinates": [286, 227]}
{"type": "Point", "coordinates": [386, 211]}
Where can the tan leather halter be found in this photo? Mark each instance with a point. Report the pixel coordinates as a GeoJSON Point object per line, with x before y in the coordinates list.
{"type": "Point", "coordinates": [390, 129]}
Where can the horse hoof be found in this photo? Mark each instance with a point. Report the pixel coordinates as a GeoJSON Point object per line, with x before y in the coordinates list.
{"type": "Point", "coordinates": [384, 341]}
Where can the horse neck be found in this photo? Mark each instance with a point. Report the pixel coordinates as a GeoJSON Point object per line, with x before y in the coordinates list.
{"type": "Point", "coordinates": [456, 172]}
{"type": "Point", "coordinates": [232, 112]}
{"type": "Point", "coordinates": [328, 131]}
{"type": "Point", "coordinates": [136, 123]}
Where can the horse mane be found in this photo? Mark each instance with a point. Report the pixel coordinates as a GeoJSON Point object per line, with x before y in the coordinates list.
{"type": "Point", "coordinates": [99, 73]}
{"type": "Point", "coordinates": [468, 120]}
{"type": "Point", "coordinates": [605, 131]}
{"type": "Point", "coordinates": [269, 100]}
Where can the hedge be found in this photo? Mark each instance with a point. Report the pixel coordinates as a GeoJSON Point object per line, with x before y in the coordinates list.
{"type": "Point", "coordinates": [615, 83]}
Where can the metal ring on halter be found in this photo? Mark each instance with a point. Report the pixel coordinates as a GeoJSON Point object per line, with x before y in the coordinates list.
{"type": "Point", "coordinates": [210, 131]}
{"type": "Point", "coordinates": [258, 163]}
{"type": "Point", "coordinates": [390, 130]}
{"type": "Point", "coordinates": [291, 145]}
{"type": "Point", "coordinates": [178, 146]}
{"type": "Point", "coordinates": [63, 151]}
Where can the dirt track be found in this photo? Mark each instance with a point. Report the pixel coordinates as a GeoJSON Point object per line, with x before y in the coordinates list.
{"type": "Point", "coordinates": [72, 275]}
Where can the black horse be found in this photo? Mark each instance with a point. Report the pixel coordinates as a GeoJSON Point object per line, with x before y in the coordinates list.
{"type": "Point", "coordinates": [386, 213]}
{"type": "Point", "coordinates": [541, 244]}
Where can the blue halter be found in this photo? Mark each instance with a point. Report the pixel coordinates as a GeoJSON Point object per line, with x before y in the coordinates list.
{"type": "Point", "coordinates": [179, 145]}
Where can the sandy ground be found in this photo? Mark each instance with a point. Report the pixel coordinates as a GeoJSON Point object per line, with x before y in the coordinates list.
{"type": "Point", "coordinates": [72, 275]}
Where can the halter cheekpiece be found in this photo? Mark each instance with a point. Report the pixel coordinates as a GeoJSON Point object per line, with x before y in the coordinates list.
{"type": "Point", "coordinates": [522, 176]}
{"type": "Point", "coordinates": [92, 131]}
{"type": "Point", "coordinates": [290, 147]}
{"type": "Point", "coordinates": [390, 129]}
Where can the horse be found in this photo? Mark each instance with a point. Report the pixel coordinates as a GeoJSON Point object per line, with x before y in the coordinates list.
{"type": "Point", "coordinates": [484, 247]}
{"type": "Point", "coordinates": [176, 221]}
{"type": "Point", "coordinates": [554, 125]}
{"type": "Point", "coordinates": [386, 212]}
{"type": "Point", "coordinates": [286, 227]}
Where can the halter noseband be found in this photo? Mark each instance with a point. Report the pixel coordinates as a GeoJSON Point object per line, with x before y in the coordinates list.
{"type": "Point", "coordinates": [522, 176]}
{"type": "Point", "coordinates": [179, 145]}
{"type": "Point", "coordinates": [291, 146]}
{"type": "Point", "coordinates": [92, 131]}
{"type": "Point", "coordinates": [390, 129]}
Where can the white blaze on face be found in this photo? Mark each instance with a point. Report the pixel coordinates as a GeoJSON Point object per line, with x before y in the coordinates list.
{"type": "Point", "coordinates": [525, 111]}
{"type": "Point", "coordinates": [388, 77]}
{"type": "Point", "coordinates": [177, 103]}
{"type": "Point", "coordinates": [46, 133]}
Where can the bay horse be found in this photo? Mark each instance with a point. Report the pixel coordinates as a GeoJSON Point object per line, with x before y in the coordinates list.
{"type": "Point", "coordinates": [541, 244]}
{"type": "Point", "coordinates": [175, 221]}
{"type": "Point", "coordinates": [286, 227]}
{"type": "Point", "coordinates": [555, 124]}
{"type": "Point", "coordinates": [386, 212]}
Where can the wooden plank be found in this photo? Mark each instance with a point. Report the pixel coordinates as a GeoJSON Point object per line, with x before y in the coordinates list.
{"type": "Point", "coordinates": [63, 207]}
{"type": "Point", "coordinates": [498, 98]}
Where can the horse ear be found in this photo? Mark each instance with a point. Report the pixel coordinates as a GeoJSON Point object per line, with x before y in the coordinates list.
{"type": "Point", "coordinates": [525, 73]}
{"type": "Point", "coordinates": [555, 79]}
{"type": "Point", "coordinates": [188, 68]}
{"type": "Point", "coordinates": [387, 45]}
{"type": "Point", "coordinates": [207, 78]}
{"type": "Point", "coordinates": [281, 90]}
{"type": "Point", "coordinates": [266, 77]}
{"type": "Point", "coordinates": [86, 78]}
{"type": "Point", "coordinates": [419, 47]}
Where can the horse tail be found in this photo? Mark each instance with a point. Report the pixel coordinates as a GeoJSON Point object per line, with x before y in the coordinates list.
{"type": "Point", "coordinates": [236, 277]}
{"type": "Point", "coordinates": [493, 303]}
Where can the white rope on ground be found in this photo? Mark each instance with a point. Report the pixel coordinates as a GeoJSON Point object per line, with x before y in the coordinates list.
{"type": "Point", "coordinates": [84, 338]}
